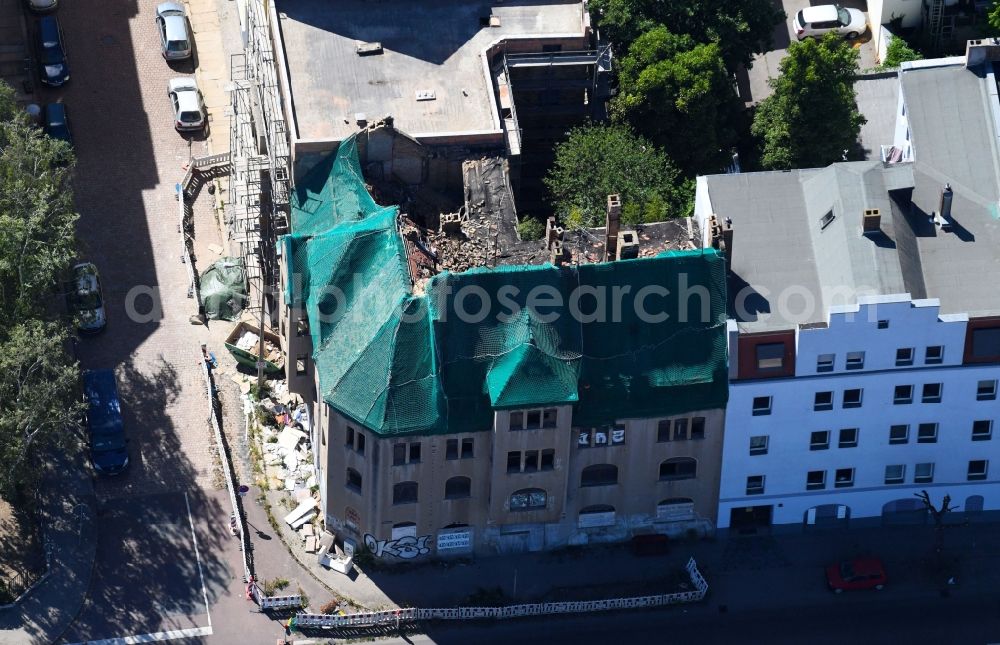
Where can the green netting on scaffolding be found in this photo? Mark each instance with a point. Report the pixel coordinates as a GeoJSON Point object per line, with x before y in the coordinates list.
{"type": "Point", "coordinates": [403, 364]}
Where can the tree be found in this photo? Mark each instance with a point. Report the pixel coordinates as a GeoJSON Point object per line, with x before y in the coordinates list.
{"type": "Point", "coordinates": [678, 93]}
{"type": "Point", "coordinates": [812, 118]}
{"type": "Point", "coordinates": [530, 228]}
{"type": "Point", "coordinates": [597, 161]}
{"type": "Point", "coordinates": [898, 52]}
{"type": "Point", "coordinates": [38, 406]}
{"type": "Point", "coordinates": [741, 29]}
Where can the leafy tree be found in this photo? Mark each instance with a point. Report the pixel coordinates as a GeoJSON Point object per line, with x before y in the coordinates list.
{"type": "Point", "coordinates": [597, 161]}
{"type": "Point", "coordinates": [38, 405]}
{"type": "Point", "coordinates": [812, 117]}
{"type": "Point", "coordinates": [898, 52]}
{"type": "Point", "coordinates": [679, 93]}
{"type": "Point", "coordinates": [530, 228]}
{"type": "Point", "coordinates": [993, 16]}
{"type": "Point", "coordinates": [741, 29]}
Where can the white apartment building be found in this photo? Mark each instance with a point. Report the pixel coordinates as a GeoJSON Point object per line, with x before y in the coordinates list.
{"type": "Point", "coordinates": [864, 332]}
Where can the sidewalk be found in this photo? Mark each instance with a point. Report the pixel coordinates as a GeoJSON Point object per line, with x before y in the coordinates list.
{"type": "Point", "coordinates": [68, 515]}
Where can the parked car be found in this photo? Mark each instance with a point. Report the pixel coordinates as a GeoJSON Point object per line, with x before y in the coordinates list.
{"type": "Point", "coordinates": [85, 299]}
{"type": "Point", "coordinates": [189, 109]}
{"type": "Point", "coordinates": [108, 445]}
{"type": "Point", "coordinates": [859, 573]}
{"type": "Point", "coordinates": [42, 6]}
{"type": "Point", "coordinates": [823, 19]}
{"type": "Point", "coordinates": [175, 38]}
{"type": "Point", "coordinates": [53, 68]}
{"type": "Point", "coordinates": [56, 122]}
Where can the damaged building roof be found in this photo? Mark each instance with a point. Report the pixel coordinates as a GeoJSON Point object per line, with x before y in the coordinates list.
{"type": "Point", "coordinates": [403, 362]}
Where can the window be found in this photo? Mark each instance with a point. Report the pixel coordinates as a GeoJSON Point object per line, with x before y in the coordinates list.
{"type": "Point", "coordinates": [755, 485]}
{"type": "Point", "coordinates": [986, 390]}
{"type": "Point", "coordinates": [982, 430]}
{"type": "Point", "coordinates": [826, 219]}
{"type": "Point", "coordinates": [977, 470]}
{"type": "Point", "coordinates": [680, 429]}
{"type": "Point", "coordinates": [467, 447]}
{"type": "Point", "coordinates": [548, 459]}
{"type": "Point", "coordinates": [819, 440]}
{"type": "Point", "coordinates": [843, 478]}
{"type": "Point", "coordinates": [931, 393]}
{"type": "Point", "coordinates": [517, 420]}
{"type": "Point", "coordinates": [823, 401]}
{"type": "Point", "coordinates": [458, 488]}
{"type": "Point", "coordinates": [986, 343]}
{"type": "Point", "coordinates": [758, 445]}
{"type": "Point", "coordinates": [415, 452]}
{"type": "Point", "coordinates": [663, 431]}
{"type": "Point", "coordinates": [848, 438]}
{"type": "Point", "coordinates": [349, 437]}
{"type": "Point", "coordinates": [903, 395]}
{"type": "Point", "coordinates": [761, 405]}
{"type": "Point", "coordinates": [549, 418]}
{"type": "Point", "coordinates": [514, 462]}
{"type": "Point", "coordinates": [596, 515]}
{"type": "Point", "coordinates": [855, 360]}
{"type": "Point", "coordinates": [398, 454]}
{"type": "Point", "coordinates": [852, 398]}
{"type": "Point", "coordinates": [927, 433]}
{"type": "Point", "coordinates": [883, 324]}
{"type": "Point", "coordinates": [353, 480]}
{"type": "Point", "coordinates": [301, 326]}
{"type": "Point", "coordinates": [899, 434]}
{"type": "Point", "coordinates": [533, 419]}
{"type": "Point", "coordinates": [301, 362]}
{"type": "Point", "coordinates": [698, 428]}
{"type": "Point", "coordinates": [599, 475]}
{"type": "Point", "coordinates": [451, 449]}
{"type": "Point", "coordinates": [934, 355]}
{"type": "Point", "coordinates": [770, 356]}
{"type": "Point", "coordinates": [528, 499]}
{"type": "Point", "coordinates": [678, 468]}
{"type": "Point", "coordinates": [824, 362]}
{"type": "Point", "coordinates": [404, 493]}
{"type": "Point", "coordinates": [904, 357]}
{"type": "Point", "coordinates": [530, 461]}
{"type": "Point", "coordinates": [360, 443]}
{"type": "Point", "coordinates": [816, 480]}
{"type": "Point", "coordinates": [923, 473]}
{"type": "Point", "coordinates": [895, 474]}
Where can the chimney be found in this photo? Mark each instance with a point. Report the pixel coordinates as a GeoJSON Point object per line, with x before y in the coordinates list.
{"type": "Point", "coordinates": [556, 254]}
{"type": "Point", "coordinates": [871, 221]}
{"type": "Point", "coordinates": [550, 231]}
{"type": "Point", "coordinates": [727, 239]}
{"type": "Point", "coordinates": [945, 207]}
{"type": "Point", "coordinates": [628, 245]}
{"type": "Point", "coordinates": [611, 227]}
{"type": "Point", "coordinates": [981, 51]}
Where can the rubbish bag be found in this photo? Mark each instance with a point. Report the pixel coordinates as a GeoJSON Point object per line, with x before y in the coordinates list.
{"type": "Point", "coordinates": [224, 289]}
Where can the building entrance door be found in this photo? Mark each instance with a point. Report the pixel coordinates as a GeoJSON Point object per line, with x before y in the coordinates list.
{"type": "Point", "coordinates": [750, 520]}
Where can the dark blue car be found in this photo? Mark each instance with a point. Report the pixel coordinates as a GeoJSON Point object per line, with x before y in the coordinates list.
{"type": "Point", "coordinates": [53, 68]}
{"type": "Point", "coordinates": [108, 445]}
{"type": "Point", "coordinates": [57, 123]}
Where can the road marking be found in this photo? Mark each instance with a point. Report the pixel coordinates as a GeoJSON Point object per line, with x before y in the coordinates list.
{"type": "Point", "coordinates": [155, 637]}
{"type": "Point", "coordinates": [204, 593]}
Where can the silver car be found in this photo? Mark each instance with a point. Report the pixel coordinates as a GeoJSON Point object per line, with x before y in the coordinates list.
{"type": "Point", "coordinates": [189, 109]}
{"type": "Point", "coordinates": [85, 301]}
{"type": "Point", "coordinates": [175, 38]}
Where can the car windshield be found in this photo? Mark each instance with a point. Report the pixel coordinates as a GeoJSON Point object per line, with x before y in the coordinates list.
{"type": "Point", "coordinates": [177, 45]}
{"type": "Point", "coordinates": [844, 16]}
{"type": "Point", "coordinates": [108, 443]}
{"type": "Point", "coordinates": [190, 117]}
{"type": "Point", "coordinates": [87, 300]}
{"type": "Point", "coordinates": [51, 53]}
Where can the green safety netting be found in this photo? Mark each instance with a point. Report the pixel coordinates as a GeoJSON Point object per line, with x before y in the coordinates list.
{"type": "Point", "coordinates": [400, 363]}
{"type": "Point", "coordinates": [223, 289]}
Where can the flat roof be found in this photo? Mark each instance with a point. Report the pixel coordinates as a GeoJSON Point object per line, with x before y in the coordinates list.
{"type": "Point", "coordinates": [428, 46]}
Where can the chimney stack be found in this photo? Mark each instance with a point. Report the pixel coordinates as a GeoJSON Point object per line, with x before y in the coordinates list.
{"type": "Point", "coordinates": [871, 221]}
{"type": "Point", "coordinates": [945, 207]}
{"type": "Point", "coordinates": [611, 226]}
{"type": "Point", "coordinates": [628, 245]}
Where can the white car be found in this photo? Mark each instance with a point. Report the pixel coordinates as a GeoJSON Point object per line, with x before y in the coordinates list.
{"type": "Point", "coordinates": [189, 109]}
{"type": "Point", "coordinates": [823, 19]}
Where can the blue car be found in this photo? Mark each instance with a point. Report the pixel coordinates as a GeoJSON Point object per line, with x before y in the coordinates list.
{"type": "Point", "coordinates": [108, 445]}
{"type": "Point", "coordinates": [53, 68]}
{"type": "Point", "coordinates": [57, 123]}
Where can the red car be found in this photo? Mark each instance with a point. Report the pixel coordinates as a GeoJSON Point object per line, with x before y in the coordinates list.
{"type": "Point", "coordinates": [859, 573]}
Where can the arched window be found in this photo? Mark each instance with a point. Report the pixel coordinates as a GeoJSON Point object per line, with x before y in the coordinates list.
{"type": "Point", "coordinates": [678, 468]}
{"type": "Point", "coordinates": [528, 499]}
{"type": "Point", "coordinates": [599, 475]}
{"type": "Point", "coordinates": [354, 480]}
{"type": "Point", "coordinates": [457, 488]}
{"type": "Point", "coordinates": [596, 515]}
{"type": "Point", "coordinates": [404, 493]}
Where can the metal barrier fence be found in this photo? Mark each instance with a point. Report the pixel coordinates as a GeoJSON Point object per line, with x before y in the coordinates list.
{"type": "Point", "coordinates": [227, 471]}
{"type": "Point", "coordinates": [375, 618]}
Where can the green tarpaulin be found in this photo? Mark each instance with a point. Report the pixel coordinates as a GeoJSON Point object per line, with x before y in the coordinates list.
{"type": "Point", "coordinates": [224, 289]}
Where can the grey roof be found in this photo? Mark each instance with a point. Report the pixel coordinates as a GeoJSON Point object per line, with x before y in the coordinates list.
{"type": "Point", "coordinates": [877, 96]}
{"type": "Point", "coordinates": [779, 243]}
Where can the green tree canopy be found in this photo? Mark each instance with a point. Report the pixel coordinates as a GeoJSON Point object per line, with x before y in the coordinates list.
{"type": "Point", "coordinates": [597, 161]}
{"type": "Point", "coordinates": [741, 28]}
{"type": "Point", "coordinates": [812, 117]}
{"type": "Point", "coordinates": [679, 93]}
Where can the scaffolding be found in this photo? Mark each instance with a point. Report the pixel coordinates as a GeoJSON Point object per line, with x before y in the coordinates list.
{"type": "Point", "coordinates": [259, 175]}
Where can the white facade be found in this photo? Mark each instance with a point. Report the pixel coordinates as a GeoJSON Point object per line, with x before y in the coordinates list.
{"type": "Point", "coordinates": [956, 394]}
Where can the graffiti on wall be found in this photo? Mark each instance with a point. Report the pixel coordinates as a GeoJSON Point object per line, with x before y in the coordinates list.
{"type": "Point", "coordinates": [405, 548]}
